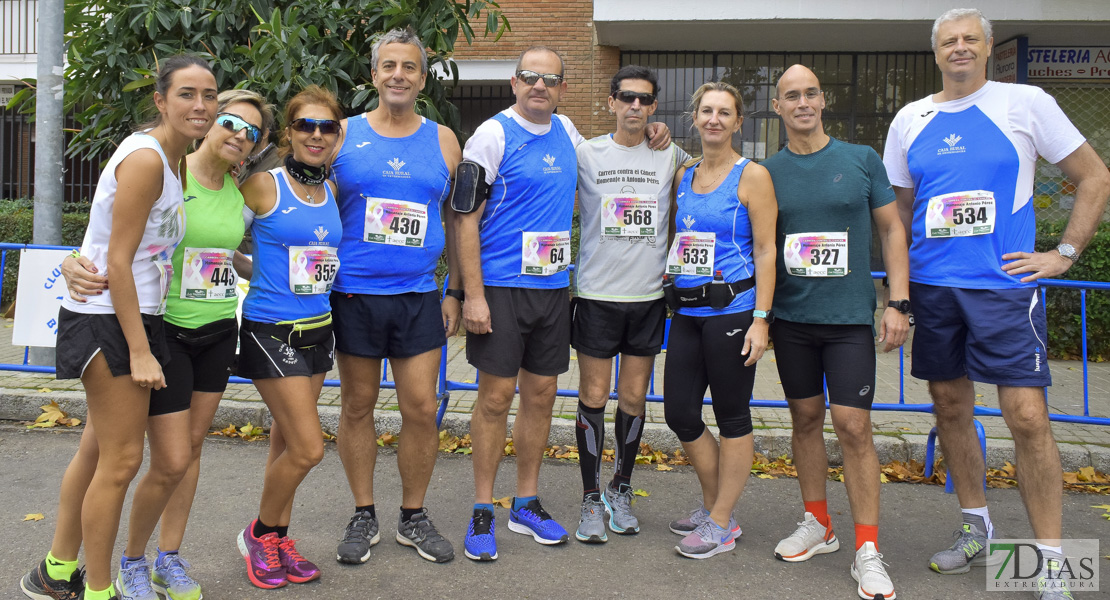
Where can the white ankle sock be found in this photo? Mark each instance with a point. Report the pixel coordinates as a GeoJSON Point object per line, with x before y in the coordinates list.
{"type": "Point", "coordinates": [982, 513]}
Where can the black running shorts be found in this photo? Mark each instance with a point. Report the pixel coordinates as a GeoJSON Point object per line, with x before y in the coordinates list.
{"type": "Point", "coordinates": [531, 331]}
{"type": "Point", "coordinates": [603, 329]}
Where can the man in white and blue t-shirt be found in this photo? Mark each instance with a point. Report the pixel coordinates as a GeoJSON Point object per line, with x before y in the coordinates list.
{"type": "Point", "coordinates": [962, 162]}
{"type": "Point", "coordinates": [514, 254]}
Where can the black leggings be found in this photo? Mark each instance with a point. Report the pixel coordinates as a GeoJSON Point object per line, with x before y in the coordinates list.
{"type": "Point", "coordinates": [704, 352]}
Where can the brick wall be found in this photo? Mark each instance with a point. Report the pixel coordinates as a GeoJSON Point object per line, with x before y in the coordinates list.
{"type": "Point", "coordinates": [566, 26]}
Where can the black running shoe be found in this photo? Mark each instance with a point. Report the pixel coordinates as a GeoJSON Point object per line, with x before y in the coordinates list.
{"type": "Point", "coordinates": [39, 586]}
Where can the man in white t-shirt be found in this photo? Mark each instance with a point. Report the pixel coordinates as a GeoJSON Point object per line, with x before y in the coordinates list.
{"type": "Point", "coordinates": [625, 190]}
{"type": "Point", "coordinates": [514, 254]}
{"type": "Point", "coordinates": [962, 164]}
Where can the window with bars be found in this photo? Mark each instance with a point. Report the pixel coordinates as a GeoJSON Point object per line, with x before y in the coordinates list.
{"type": "Point", "coordinates": [863, 91]}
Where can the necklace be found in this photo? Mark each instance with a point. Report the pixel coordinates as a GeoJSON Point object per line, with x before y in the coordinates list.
{"type": "Point", "coordinates": [311, 197]}
{"type": "Point", "coordinates": [722, 172]}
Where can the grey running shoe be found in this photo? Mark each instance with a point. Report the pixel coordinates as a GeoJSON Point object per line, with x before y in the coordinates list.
{"type": "Point", "coordinates": [966, 552]}
{"type": "Point", "coordinates": [419, 533]}
{"type": "Point", "coordinates": [360, 535]}
{"type": "Point", "coordinates": [870, 571]}
{"type": "Point", "coordinates": [133, 581]}
{"type": "Point", "coordinates": [689, 524]}
{"type": "Point", "coordinates": [618, 503]}
{"type": "Point", "coordinates": [709, 539]}
{"type": "Point", "coordinates": [591, 527]}
{"type": "Point", "coordinates": [1050, 586]}
{"type": "Point", "coordinates": [38, 585]}
{"type": "Point", "coordinates": [171, 580]}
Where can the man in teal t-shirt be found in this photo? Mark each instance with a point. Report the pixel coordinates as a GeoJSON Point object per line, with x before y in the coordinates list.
{"type": "Point", "coordinates": [828, 193]}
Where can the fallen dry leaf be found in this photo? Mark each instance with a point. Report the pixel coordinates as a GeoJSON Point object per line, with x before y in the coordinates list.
{"type": "Point", "coordinates": [34, 517]}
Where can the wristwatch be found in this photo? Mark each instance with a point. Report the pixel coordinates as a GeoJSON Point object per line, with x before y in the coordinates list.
{"type": "Point", "coordinates": [1068, 252]}
{"type": "Point", "coordinates": [766, 315]}
{"type": "Point", "coordinates": [456, 294]}
{"type": "Point", "coordinates": [902, 306]}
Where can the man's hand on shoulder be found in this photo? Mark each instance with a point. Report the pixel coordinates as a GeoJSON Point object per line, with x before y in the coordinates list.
{"type": "Point", "coordinates": [1035, 265]}
{"type": "Point", "coordinates": [659, 135]}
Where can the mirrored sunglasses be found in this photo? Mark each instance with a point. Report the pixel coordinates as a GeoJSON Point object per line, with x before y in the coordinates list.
{"type": "Point", "coordinates": [235, 124]}
{"type": "Point", "coordinates": [326, 126]}
{"type": "Point", "coordinates": [531, 77]}
{"type": "Point", "coordinates": [629, 97]}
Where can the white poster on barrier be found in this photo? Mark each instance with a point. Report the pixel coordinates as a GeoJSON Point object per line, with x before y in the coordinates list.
{"type": "Point", "coordinates": [38, 296]}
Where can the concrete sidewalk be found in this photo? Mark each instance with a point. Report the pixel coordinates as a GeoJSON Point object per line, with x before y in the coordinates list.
{"type": "Point", "coordinates": [898, 435]}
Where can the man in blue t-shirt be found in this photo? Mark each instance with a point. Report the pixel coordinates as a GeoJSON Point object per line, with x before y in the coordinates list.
{"type": "Point", "coordinates": [962, 163]}
{"type": "Point", "coordinates": [829, 192]}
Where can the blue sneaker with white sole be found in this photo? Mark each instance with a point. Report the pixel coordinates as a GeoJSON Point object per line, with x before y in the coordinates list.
{"type": "Point", "coordinates": [480, 544]}
{"type": "Point", "coordinates": [531, 519]}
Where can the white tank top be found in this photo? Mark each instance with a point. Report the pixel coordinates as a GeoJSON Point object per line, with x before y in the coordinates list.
{"type": "Point", "coordinates": [165, 226]}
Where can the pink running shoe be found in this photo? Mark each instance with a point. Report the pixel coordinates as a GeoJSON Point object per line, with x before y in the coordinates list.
{"type": "Point", "coordinates": [298, 569]}
{"type": "Point", "coordinates": [264, 566]}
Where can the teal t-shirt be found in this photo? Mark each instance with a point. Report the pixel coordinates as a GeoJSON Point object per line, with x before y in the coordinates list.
{"type": "Point", "coordinates": [213, 230]}
{"type": "Point", "coordinates": [823, 196]}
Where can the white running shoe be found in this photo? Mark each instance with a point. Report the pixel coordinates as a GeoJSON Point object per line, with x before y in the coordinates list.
{"type": "Point", "coordinates": [811, 537]}
{"type": "Point", "coordinates": [870, 571]}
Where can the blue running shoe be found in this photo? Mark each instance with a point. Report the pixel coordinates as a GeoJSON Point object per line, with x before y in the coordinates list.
{"type": "Point", "coordinates": [480, 544]}
{"type": "Point", "coordinates": [533, 520]}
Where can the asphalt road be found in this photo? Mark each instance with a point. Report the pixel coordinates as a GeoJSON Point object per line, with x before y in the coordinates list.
{"type": "Point", "coordinates": [916, 521]}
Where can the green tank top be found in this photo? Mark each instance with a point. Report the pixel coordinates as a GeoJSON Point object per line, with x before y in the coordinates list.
{"type": "Point", "coordinates": [203, 287]}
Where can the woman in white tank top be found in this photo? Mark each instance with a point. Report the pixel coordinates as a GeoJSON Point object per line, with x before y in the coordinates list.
{"type": "Point", "coordinates": [114, 342]}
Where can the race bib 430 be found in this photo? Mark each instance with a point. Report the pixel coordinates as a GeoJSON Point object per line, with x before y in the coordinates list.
{"type": "Point", "coordinates": [395, 222]}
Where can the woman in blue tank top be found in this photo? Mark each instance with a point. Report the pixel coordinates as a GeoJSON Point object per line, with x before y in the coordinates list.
{"type": "Point", "coordinates": [285, 341]}
{"type": "Point", "coordinates": [724, 244]}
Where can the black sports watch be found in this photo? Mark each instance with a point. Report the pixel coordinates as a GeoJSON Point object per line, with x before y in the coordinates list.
{"type": "Point", "coordinates": [456, 294]}
{"type": "Point", "coordinates": [902, 306]}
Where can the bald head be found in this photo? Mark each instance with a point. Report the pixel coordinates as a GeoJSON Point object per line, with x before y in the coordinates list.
{"type": "Point", "coordinates": [794, 75]}
{"type": "Point", "coordinates": [799, 101]}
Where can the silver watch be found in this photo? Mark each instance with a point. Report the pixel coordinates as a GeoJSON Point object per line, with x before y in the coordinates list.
{"type": "Point", "coordinates": [1068, 252]}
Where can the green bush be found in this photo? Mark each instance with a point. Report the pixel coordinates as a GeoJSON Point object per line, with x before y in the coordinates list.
{"type": "Point", "coordinates": [17, 227]}
{"type": "Point", "coordinates": [1065, 334]}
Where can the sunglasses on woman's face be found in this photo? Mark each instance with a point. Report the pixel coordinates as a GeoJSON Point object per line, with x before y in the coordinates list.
{"type": "Point", "coordinates": [235, 124]}
{"type": "Point", "coordinates": [326, 126]}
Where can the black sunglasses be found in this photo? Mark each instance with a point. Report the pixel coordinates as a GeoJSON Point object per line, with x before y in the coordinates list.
{"type": "Point", "coordinates": [235, 124]}
{"type": "Point", "coordinates": [629, 97]}
{"type": "Point", "coordinates": [326, 126]}
{"type": "Point", "coordinates": [531, 77]}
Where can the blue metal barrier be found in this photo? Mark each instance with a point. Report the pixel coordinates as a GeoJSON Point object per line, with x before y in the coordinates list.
{"type": "Point", "coordinates": [446, 386]}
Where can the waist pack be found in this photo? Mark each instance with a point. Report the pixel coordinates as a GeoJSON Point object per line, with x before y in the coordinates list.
{"type": "Point", "coordinates": [715, 294]}
{"type": "Point", "coordinates": [301, 333]}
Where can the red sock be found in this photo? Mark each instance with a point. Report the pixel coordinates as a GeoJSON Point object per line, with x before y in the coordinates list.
{"type": "Point", "coordinates": [820, 511]}
{"type": "Point", "coordinates": [867, 533]}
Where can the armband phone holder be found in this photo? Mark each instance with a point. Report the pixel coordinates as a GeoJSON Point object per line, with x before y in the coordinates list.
{"type": "Point", "coordinates": [471, 189]}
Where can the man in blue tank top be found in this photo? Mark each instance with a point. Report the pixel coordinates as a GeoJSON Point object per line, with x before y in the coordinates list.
{"type": "Point", "coordinates": [962, 162]}
{"type": "Point", "coordinates": [829, 192]}
{"type": "Point", "coordinates": [393, 168]}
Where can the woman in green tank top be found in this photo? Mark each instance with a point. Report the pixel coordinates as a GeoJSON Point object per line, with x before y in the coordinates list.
{"type": "Point", "coordinates": [201, 331]}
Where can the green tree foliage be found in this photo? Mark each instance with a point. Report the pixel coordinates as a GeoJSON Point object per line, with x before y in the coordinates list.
{"type": "Point", "coordinates": [274, 47]}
